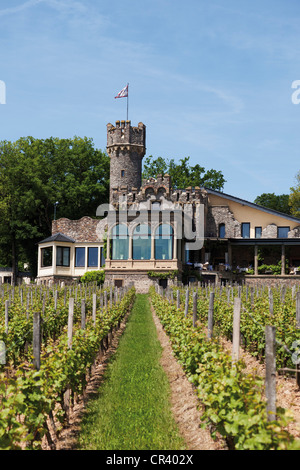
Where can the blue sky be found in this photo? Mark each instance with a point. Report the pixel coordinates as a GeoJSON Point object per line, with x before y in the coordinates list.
{"type": "Point", "coordinates": [211, 80]}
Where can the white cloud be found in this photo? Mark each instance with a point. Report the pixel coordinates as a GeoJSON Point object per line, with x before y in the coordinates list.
{"type": "Point", "coordinates": [23, 6]}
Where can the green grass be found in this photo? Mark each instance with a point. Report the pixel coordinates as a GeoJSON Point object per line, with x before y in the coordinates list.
{"type": "Point", "coordinates": [132, 410]}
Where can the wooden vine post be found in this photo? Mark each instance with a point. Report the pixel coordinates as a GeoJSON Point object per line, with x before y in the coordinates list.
{"type": "Point", "coordinates": [298, 327]}
{"type": "Point", "coordinates": [178, 299]}
{"type": "Point", "coordinates": [67, 394]}
{"type": "Point", "coordinates": [270, 381]}
{"type": "Point", "coordinates": [6, 315]}
{"type": "Point", "coordinates": [271, 302]}
{"type": "Point", "coordinates": [37, 340]}
{"type": "Point", "coordinates": [236, 330]}
{"type": "Point", "coordinates": [83, 314]}
{"type": "Point", "coordinates": [94, 308]}
{"type": "Point", "coordinates": [186, 307]}
{"type": "Point", "coordinates": [210, 315]}
{"type": "Point", "coordinates": [195, 298]}
{"type": "Point", "coordinates": [70, 322]}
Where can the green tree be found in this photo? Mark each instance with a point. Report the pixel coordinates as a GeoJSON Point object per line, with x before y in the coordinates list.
{"type": "Point", "coordinates": [295, 197]}
{"type": "Point", "coordinates": [272, 201]}
{"type": "Point", "coordinates": [36, 173]}
{"type": "Point", "coordinates": [182, 174]}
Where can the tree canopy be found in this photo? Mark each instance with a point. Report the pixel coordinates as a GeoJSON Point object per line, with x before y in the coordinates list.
{"type": "Point", "coordinates": [182, 174]}
{"type": "Point", "coordinates": [279, 203]}
{"type": "Point", "coordinates": [295, 197]}
{"type": "Point", "coordinates": [34, 175]}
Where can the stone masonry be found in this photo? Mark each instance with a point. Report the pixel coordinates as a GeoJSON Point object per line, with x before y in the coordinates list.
{"type": "Point", "coordinates": [126, 149]}
{"type": "Point", "coordinates": [85, 229]}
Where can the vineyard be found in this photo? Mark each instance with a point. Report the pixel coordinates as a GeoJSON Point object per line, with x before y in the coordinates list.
{"type": "Point", "coordinates": [51, 339]}
{"type": "Point", "coordinates": [233, 400]}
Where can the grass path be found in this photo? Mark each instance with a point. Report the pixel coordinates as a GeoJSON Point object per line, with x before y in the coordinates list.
{"type": "Point", "coordinates": [132, 410]}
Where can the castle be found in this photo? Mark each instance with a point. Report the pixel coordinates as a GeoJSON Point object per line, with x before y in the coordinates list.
{"type": "Point", "coordinates": [149, 232]}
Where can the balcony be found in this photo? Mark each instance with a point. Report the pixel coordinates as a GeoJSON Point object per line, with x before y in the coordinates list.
{"type": "Point", "coordinates": [143, 265]}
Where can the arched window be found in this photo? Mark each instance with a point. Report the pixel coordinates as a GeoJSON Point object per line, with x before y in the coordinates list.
{"type": "Point", "coordinates": [221, 230]}
{"type": "Point", "coordinates": [119, 242]}
{"type": "Point", "coordinates": [164, 242]}
{"type": "Point", "coordinates": [141, 242]}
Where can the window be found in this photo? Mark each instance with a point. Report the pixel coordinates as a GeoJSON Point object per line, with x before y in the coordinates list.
{"type": "Point", "coordinates": [119, 242]}
{"type": "Point", "coordinates": [246, 230]}
{"type": "Point", "coordinates": [62, 256]}
{"type": "Point", "coordinates": [93, 257]}
{"type": "Point", "coordinates": [79, 257]}
{"type": "Point", "coordinates": [283, 232]}
{"type": "Point", "coordinates": [164, 242]}
{"type": "Point", "coordinates": [122, 173]}
{"type": "Point", "coordinates": [141, 242]}
{"type": "Point", "coordinates": [102, 257]}
{"type": "Point", "coordinates": [46, 258]}
{"type": "Point", "coordinates": [221, 230]}
{"type": "Point", "coordinates": [258, 232]}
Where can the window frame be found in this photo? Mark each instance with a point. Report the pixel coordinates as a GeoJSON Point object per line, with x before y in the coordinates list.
{"type": "Point", "coordinates": [161, 236]}
{"type": "Point", "coordinates": [90, 249]}
{"type": "Point", "coordinates": [143, 236]}
{"type": "Point", "coordinates": [62, 249]}
{"type": "Point", "coordinates": [115, 238]}
{"type": "Point", "coordinates": [43, 250]}
{"type": "Point", "coordinates": [222, 227]}
{"type": "Point", "coordinates": [283, 227]}
{"type": "Point", "coordinates": [258, 228]}
{"type": "Point", "coordinates": [243, 226]}
{"type": "Point", "coordinates": [84, 257]}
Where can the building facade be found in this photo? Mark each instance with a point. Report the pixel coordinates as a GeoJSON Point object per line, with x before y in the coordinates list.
{"type": "Point", "coordinates": [150, 232]}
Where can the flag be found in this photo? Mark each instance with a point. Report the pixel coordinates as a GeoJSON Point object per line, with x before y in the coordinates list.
{"type": "Point", "coordinates": [123, 93]}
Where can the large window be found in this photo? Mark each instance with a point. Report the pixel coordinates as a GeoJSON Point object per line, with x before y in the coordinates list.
{"type": "Point", "coordinates": [46, 257]}
{"type": "Point", "coordinates": [246, 230]}
{"type": "Point", "coordinates": [164, 242]}
{"type": "Point", "coordinates": [79, 257]}
{"type": "Point", "coordinates": [62, 256]}
{"type": "Point", "coordinates": [93, 257]}
{"type": "Point", "coordinates": [141, 242]}
{"type": "Point", "coordinates": [283, 232]}
{"type": "Point", "coordinates": [119, 242]}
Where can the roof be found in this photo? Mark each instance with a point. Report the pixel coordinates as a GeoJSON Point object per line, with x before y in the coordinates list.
{"type": "Point", "coordinates": [58, 237]}
{"type": "Point", "coordinates": [253, 205]}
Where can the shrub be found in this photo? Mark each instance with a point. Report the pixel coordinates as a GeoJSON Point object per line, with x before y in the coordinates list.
{"type": "Point", "coordinates": [93, 276]}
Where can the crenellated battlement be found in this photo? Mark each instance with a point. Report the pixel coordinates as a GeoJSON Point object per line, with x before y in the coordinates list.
{"type": "Point", "coordinates": [123, 134]}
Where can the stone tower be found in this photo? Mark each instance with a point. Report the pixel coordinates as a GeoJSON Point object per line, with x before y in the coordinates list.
{"type": "Point", "coordinates": [126, 149]}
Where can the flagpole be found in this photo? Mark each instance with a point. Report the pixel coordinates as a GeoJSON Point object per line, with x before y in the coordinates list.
{"type": "Point", "coordinates": [127, 98]}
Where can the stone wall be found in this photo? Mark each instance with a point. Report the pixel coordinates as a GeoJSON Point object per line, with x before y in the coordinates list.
{"type": "Point", "coordinates": [270, 231]}
{"type": "Point", "coordinates": [294, 233]}
{"type": "Point", "coordinates": [222, 214]}
{"type": "Point", "coordinates": [272, 281]}
{"type": "Point", "coordinates": [141, 281]}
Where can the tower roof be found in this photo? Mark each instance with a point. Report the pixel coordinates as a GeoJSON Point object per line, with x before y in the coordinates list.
{"type": "Point", "coordinates": [58, 237]}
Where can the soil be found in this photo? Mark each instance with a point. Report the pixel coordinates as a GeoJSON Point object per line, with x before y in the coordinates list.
{"type": "Point", "coordinates": [185, 405]}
